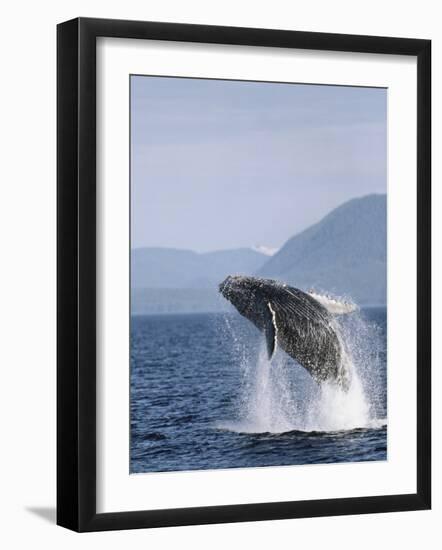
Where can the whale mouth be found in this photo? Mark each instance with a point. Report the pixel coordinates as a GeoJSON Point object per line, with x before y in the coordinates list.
{"type": "Point", "coordinates": [233, 285]}
{"type": "Point", "coordinates": [223, 286]}
{"type": "Point", "coordinates": [226, 287]}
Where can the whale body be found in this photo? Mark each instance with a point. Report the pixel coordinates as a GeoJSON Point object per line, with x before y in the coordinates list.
{"type": "Point", "coordinates": [300, 323]}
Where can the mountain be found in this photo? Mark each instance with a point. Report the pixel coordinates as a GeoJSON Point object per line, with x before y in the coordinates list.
{"type": "Point", "coordinates": [345, 253]}
{"type": "Point", "coordinates": [173, 268]}
{"type": "Point", "coordinates": [267, 250]}
{"type": "Point", "coordinates": [176, 300]}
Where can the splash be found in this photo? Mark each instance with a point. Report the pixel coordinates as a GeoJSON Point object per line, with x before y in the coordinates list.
{"type": "Point", "coordinates": [278, 395]}
{"type": "Point", "coordinates": [332, 304]}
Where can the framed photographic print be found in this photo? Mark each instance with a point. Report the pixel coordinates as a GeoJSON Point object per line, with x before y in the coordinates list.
{"type": "Point", "coordinates": [243, 274]}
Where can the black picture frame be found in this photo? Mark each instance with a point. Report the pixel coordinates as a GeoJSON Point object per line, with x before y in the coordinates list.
{"type": "Point", "coordinates": [77, 288]}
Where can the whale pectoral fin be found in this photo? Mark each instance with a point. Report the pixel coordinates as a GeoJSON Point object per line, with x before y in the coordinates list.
{"type": "Point", "coordinates": [270, 335]}
{"type": "Point", "coordinates": [271, 332]}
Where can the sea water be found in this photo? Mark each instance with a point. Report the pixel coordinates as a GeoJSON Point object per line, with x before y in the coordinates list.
{"type": "Point", "coordinates": [203, 395]}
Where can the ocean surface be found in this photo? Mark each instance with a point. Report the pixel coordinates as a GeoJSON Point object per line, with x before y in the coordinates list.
{"type": "Point", "coordinates": [203, 395]}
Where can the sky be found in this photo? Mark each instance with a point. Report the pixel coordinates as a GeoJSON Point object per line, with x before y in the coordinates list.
{"type": "Point", "coordinates": [219, 164]}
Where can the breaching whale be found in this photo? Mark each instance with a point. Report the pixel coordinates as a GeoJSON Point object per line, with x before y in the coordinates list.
{"type": "Point", "coordinates": [300, 323]}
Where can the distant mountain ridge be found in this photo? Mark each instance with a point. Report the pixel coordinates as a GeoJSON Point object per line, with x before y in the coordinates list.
{"type": "Point", "coordinates": [176, 268]}
{"type": "Point", "coordinates": [344, 253]}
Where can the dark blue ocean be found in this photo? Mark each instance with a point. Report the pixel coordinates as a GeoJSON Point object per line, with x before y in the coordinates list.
{"type": "Point", "coordinates": [203, 395]}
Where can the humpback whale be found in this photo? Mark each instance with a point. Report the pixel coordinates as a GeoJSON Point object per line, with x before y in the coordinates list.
{"type": "Point", "coordinates": [300, 323]}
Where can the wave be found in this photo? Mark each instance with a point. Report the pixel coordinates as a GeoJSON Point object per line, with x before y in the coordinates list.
{"type": "Point", "coordinates": [278, 396]}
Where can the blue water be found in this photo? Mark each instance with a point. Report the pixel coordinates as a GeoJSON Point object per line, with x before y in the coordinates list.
{"type": "Point", "coordinates": [203, 396]}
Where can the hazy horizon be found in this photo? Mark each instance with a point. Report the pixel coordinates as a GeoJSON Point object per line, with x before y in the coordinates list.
{"type": "Point", "coordinates": [219, 165]}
